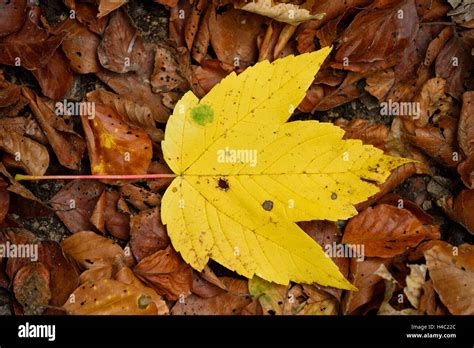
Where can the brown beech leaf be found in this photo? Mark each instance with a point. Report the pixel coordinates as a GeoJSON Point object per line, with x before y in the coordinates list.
{"type": "Point", "coordinates": [114, 147]}
{"type": "Point", "coordinates": [80, 46]}
{"type": "Point", "coordinates": [386, 231]}
{"type": "Point", "coordinates": [122, 48]}
{"type": "Point", "coordinates": [166, 76]}
{"type": "Point", "coordinates": [99, 270]}
{"type": "Point", "coordinates": [380, 83]}
{"type": "Point", "coordinates": [466, 139]}
{"type": "Point", "coordinates": [206, 76]}
{"type": "Point", "coordinates": [231, 302]}
{"type": "Point", "coordinates": [111, 213]}
{"type": "Point", "coordinates": [429, 301]}
{"type": "Point", "coordinates": [206, 284]}
{"type": "Point", "coordinates": [54, 78]}
{"type": "Point", "coordinates": [432, 99]}
{"type": "Point", "coordinates": [132, 113]}
{"type": "Point", "coordinates": [75, 202]}
{"type": "Point", "coordinates": [33, 157]}
{"type": "Point", "coordinates": [370, 285]}
{"type": "Point", "coordinates": [107, 6]}
{"type": "Point", "coordinates": [147, 233]}
{"type": "Point", "coordinates": [368, 44]}
{"type": "Point", "coordinates": [32, 45]}
{"type": "Point", "coordinates": [18, 236]}
{"type": "Point", "coordinates": [64, 276]}
{"type": "Point", "coordinates": [464, 208]}
{"type": "Point", "coordinates": [137, 88]}
{"type": "Point", "coordinates": [4, 200]}
{"type": "Point", "coordinates": [9, 92]}
{"type": "Point", "coordinates": [12, 16]}
{"type": "Point", "coordinates": [126, 275]}
{"type": "Point", "coordinates": [454, 64]}
{"type": "Point", "coordinates": [67, 145]}
{"type": "Point", "coordinates": [31, 287]}
{"type": "Point", "coordinates": [167, 273]}
{"type": "Point", "coordinates": [452, 272]}
{"type": "Point", "coordinates": [17, 188]}
{"type": "Point", "coordinates": [87, 15]}
{"type": "Point", "coordinates": [234, 43]}
{"type": "Point", "coordinates": [26, 126]}
{"type": "Point", "coordinates": [368, 132]}
{"type": "Point", "coordinates": [139, 197]}
{"type": "Point", "coordinates": [110, 297]}
{"type": "Point", "coordinates": [88, 247]}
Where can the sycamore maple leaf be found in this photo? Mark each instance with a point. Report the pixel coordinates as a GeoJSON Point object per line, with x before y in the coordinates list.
{"type": "Point", "coordinates": [245, 176]}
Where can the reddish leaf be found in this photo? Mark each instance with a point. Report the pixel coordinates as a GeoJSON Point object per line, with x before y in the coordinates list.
{"type": "Point", "coordinates": [148, 234]}
{"type": "Point", "coordinates": [9, 92]}
{"type": "Point", "coordinates": [369, 133]}
{"type": "Point", "coordinates": [386, 231]}
{"type": "Point", "coordinates": [12, 16]}
{"type": "Point", "coordinates": [111, 213]}
{"type": "Point", "coordinates": [464, 208]}
{"type": "Point", "coordinates": [31, 287]}
{"type": "Point", "coordinates": [466, 139]}
{"type": "Point", "coordinates": [167, 273]}
{"type": "Point", "coordinates": [107, 6]}
{"type": "Point", "coordinates": [75, 202]}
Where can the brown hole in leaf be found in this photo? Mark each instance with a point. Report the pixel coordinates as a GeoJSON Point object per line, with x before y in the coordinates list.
{"type": "Point", "coordinates": [267, 205]}
{"type": "Point", "coordinates": [223, 184]}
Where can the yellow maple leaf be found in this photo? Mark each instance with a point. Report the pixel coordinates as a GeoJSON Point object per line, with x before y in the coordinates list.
{"type": "Point", "coordinates": [245, 176]}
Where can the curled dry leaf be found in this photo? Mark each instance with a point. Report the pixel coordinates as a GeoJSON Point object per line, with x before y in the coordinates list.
{"type": "Point", "coordinates": [206, 76]}
{"type": "Point", "coordinates": [415, 283]}
{"type": "Point", "coordinates": [148, 234]}
{"type": "Point", "coordinates": [12, 16]}
{"type": "Point", "coordinates": [231, 302]}
{"type": "Point", "coordinates": [4, 200]}
{"type": "Point", "coordinates": [235, 44]}
{"type": "Point", "coordinates": [112, 214]}
{"type": "Point", "coordinates": [386, 231]}
{"type": "Point", "coordinates": [67, 145]}
{"type": "Point", "coordinates": [87, 15]}
{"type": "Point", "coordinates": [369, 133]}
{"type": "Point", "coordinates": [370, 285]}
{"type": "Point", "coordinates": [107, 6]}
{"type": "Point", "coordinates": [26, 126]}
{"type": "Point", "coordinates": [319, 302]}
{"type": "Point", "coordinates": [464, 208]}
{"type": "Point", "coordinates": [132, 113]}
{"type": "Point", "coordinates": [75, 202]}
{"type": "Point", "coordinates": [139, 197]}
{"type": "Point", "coordinates": [452, 272]}
{"type": "Point", "coordinates": [282, 12]}
{"type": "Point", "coordinates": [272, 297]}
{"type": "Point", "coordinates": [32, 47]}
{"type": "Point", "coordinates": [432, 99]}
{"type": "Point", "coordinates": [33, 157]}
{"type": "Point", "coordinates": [31, 288]}
{"type": "Point", "coordinates": [466, 139]}
{"type": "Point", "coordinates": [206, 284]}
{"type": "Point", "coordinates": [380, 83]}
{"type": "Point", "coordinates": [110, 297]}
{"type": "Point", "coordinates": [364, 45]}
{"type": "Point", "coordinates": [9, 92]}
{"type": "Point", "coordinates": [87, 248]}
{"type": "Point", "coordinates": [166, 76]}
{"type": "Point", "coordinates": [167, 273]}
{"type": "Point", "coordinates": [114, 147]}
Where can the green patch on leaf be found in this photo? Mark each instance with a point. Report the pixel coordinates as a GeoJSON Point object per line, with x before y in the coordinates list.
{"type": "Point", "coordinates": [202, 114]}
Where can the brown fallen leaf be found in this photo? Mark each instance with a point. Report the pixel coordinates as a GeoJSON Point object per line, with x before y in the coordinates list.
{"type": "Point", "coordinates": [114, 147]}
{"type": "Point", "coordinates": [26, 126]}
{"type": "Point", "coordinates": [319, 302]}
{"type": "Point", "coordinates": [235, 44]}
{"type": "Point", "coordinates": [110, 297]}
{"type": "Point", "coordinates": [9, 92]}
{"type": "Point", "coordinates": [429, 301]}
{"type": "Point", "coordinates": [206, 76]}
{"type": "Point", "coordinates": [386, 231]}
{"type": "Point", "coordinates": [147, 233]}
{"type": "Point", "coordinates": [31, 47]}
{"type": "Point", "coordinates": [87, 248]}
{"type": "Point", "coordinates": [272, 297]}
{"type": "Point", "coordinates": [122, 48]}
{"type": "Point", "coordinates": [132, 113]}
{"type": "Point", "coordinates": [75, 202]}
{"type": "Point", "coordinates": [415, 283]}
{"type": "Point", "coordinates": [364, 46]}
{"type": "Point", "coordinates": [206, 284]}
{"type": "Point", "coordinates": [112, 214]}
{"type": "Point", "coordinates": [370, 285]}
{"type": "Point", "coordinates": [98, 271]}
{"type": "Point", "coordinates": [4, 200]}
{"type": "Point", "coordinates": [31, 288]}
{"type": "Point", "coordinates": [12, 16]}
{"type": "Point", "coordinates": [466, 139]}
{"type": "Point", "coordinates": [167, 273]}
{"type": "Point", "coordinates": [380, 83]}
{"type": "Point", "coordinates": [107, 6]}
{"type": "Point", "coordinates": [80, 46]}
{"type": "Point", "coordinates": [432, 100]}
{"type": "Point", "coordinates": [139, 197]}
{"type": "Point", "coordinates": [370, 133]}
{"type": "Point", "coordinates": [451, 270]}
{"type": "Point", "coordinates": [231, 302]}
{"type": "Point", "coordinates": [31, 156]}
{"type": "Point", "coordinates": [87, 15]}
{"type": "Point", "coordinates": [464, 208]}
{"type": "Point", "coordinates": [17, 188]}
{"type": "Point", "coordinates": [47, 76]}
{"type": "Point", "coordinates": [166, 74]}
{"type": "Point", "coordinates": [126, 275]}
{"type": "Point", "coordinates": [67, 145]}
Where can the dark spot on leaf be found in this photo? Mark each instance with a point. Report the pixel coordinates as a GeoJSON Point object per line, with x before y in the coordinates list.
{"type": "Point", "coordinates": [267, 205]}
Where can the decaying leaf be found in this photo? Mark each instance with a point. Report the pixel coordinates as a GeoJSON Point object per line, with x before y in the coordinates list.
{"type": "Point", "coordinates": [415, 282]}
{"type": "Point", "coordinates": [283, 12]}
{"type": "Point", "coordinates": [31, 287]}
{"type": "Point", "coordinates": [289, 182]}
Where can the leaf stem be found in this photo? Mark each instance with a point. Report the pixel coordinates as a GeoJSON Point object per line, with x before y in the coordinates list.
{"type": "Point", "coordinates": [19, 177]}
